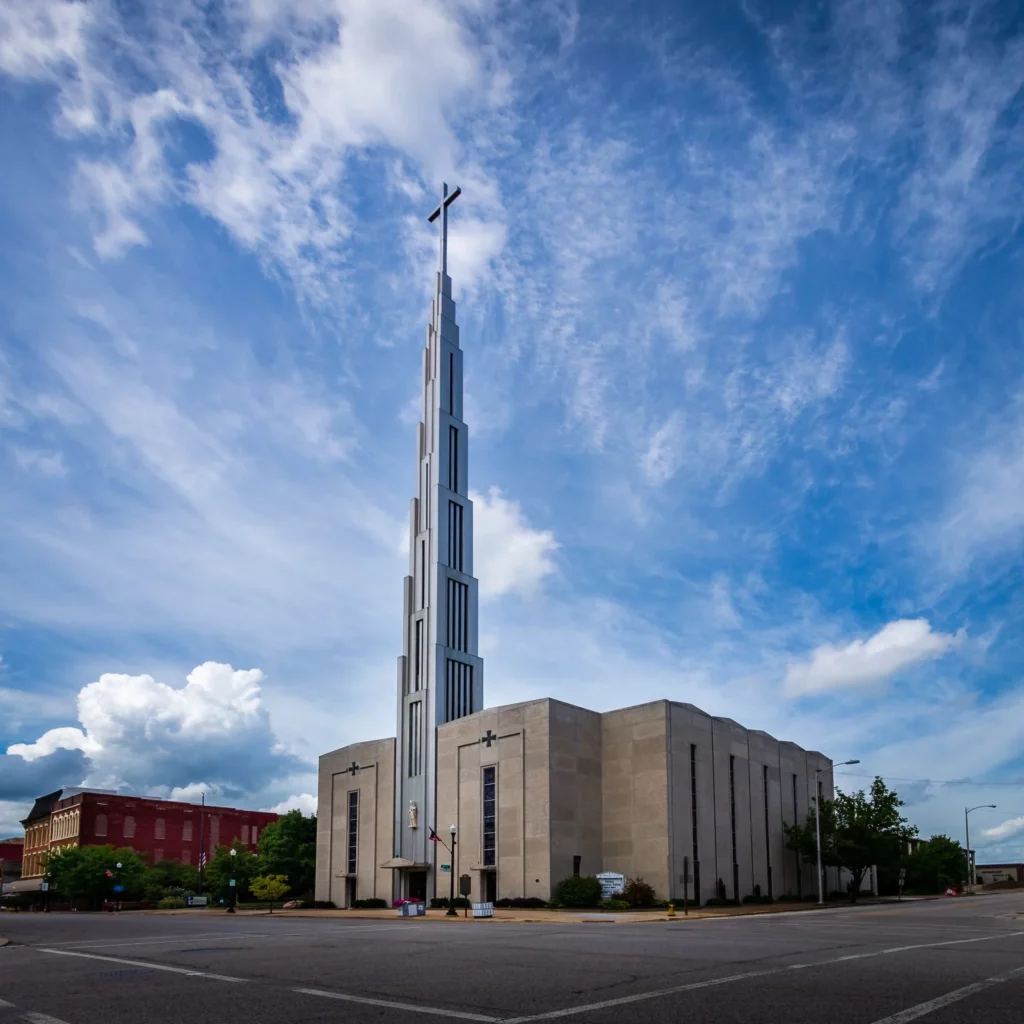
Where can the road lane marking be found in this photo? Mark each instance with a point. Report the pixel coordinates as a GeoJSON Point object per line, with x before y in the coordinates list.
{"type": "Point", "coordinates": [913, 1012]}
{"type": "Point", "coordinates": [144, 963]}
{"type": "Point", "coordinates": [436, 1011]}
{"type": "Point", "coordinates": [40, 1018]}
{"type": "Point", "coordinates": [4, 1003]}
{"type": "Point", "coordinates": [571, 1011]}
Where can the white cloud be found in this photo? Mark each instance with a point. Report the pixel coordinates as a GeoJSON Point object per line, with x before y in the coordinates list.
{"type": "Point", "coordinates": [509, 555]}
{"type": "Point", "coordinates": [63, 738]}
{"type": "Point", "coordinates": [305, 802]}
{"type": "Point", "coordinates": [1005, 830]}
{"type": "Point", "coordinates": [864, 663]}
{"type": "Point", "coordinates": [39, 35]}
{"type": "Point", "coordinates": [45, 463]}
{"type": "Point", "coordinates": [143, 735]}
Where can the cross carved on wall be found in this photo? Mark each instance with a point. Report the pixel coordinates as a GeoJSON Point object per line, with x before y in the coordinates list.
{"type": "Point", "coordinates": [489, 738]}
{"type": "Point", "coordinates": [353, 768]}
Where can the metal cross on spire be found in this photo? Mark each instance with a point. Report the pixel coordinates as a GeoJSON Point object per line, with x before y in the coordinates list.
{"type": "Point", "coordinates": [442, 212]}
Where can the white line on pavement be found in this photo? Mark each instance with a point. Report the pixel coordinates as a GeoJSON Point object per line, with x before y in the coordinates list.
{"type": "Point", "coordinates": [3, 1002]}
{"type": "Point", "coordinates": [642, 996]}
{"type": "Point", "coordinates": [913, 1012]}
{"type": "Point", "coordinates": [391, 1004]}
{"type": "Point", "coordinates": [40, 1018]}
{"type": "Point", "coordinates": [144, 963]}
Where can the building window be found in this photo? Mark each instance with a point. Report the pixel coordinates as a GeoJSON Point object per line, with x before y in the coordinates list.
{"type": "Point", "coordinates": [160, 829]}
{"type": "Point", "coordinates": [129, 827]}
{"type": "Point", "coordinates": [353, 830]}
{"type": "Point", "coordinates": [796, 816]}
{"type": "Point", "coordinates": [158, 855]}
{"type": "Point", "coordinates": [732, 817]}
{"type": "Point", "coordinates": [423, 573]}
{"type": "Point", "coordinates": [458, 615]}
{"type": "Point", "coordinates": [186, 856]}
{"type": "Point", "coordinates": [245, 834]}
{"type": "Point", "coordinates": [418, 656]}
{"type": "Point", "coordinates": [456, 514]}
{"type": "Point", "coordinates": [451, 383]}
{"type": "Point", "coordinates": [458, 690]}
{"type": "Point", "coordinates": [767, 835]}
{"type": "Point", "coordinates": [186, 832]}
{"type": "Point", "coordinates": [214, 832]}
{"type": "Point", "coordinates": [415, 738]}
{"type": "Point", "coordinates": [694, 854]}
{"type": "Point", "coordinates": [254, 834]}
{"type": "Point", "coordinates": [490, 817]}
{"type": "Point", "coordinates": [453, 459]}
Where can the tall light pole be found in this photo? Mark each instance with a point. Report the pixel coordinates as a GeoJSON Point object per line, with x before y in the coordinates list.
{"type": "Point", "coordinates": [451, 887]}
{"type": "Point", "coordinates": [120, 887]}
{"type": "Point", "coordinates": [234, 883]}
{"type": "Point", "coordinates": [967, 832]}
{"type": "Point", "coordinates": [817, 819]}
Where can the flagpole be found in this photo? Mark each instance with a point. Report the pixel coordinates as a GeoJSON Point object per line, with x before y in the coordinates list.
{"type": "Point", "coordinates": [202, 841]}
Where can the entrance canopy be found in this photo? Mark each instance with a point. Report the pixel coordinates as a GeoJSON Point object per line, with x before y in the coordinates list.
{"type": "Point", "coordinates": [404, 864]}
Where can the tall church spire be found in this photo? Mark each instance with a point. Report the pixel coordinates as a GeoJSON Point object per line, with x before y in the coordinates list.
{"type": "Point", "coordinates": [440, 676]}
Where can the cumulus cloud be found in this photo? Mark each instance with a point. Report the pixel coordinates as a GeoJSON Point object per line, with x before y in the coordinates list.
{"type": "Point", "coordinates": [1006, 830]}
{"type": "Point", "coordinates": [22, 779]}
{"type": "Point", "coordinates": [305, 802]}
{"type": "Point", "coordinates": [863, 663]}
{"type": "Point", "coordinates": [146, 736]}
{"type": "Point", "coordinates": [510, 555]}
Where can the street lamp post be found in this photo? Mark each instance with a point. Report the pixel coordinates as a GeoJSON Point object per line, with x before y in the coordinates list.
{"type": "Point", "coordinates": [451, 880]}
{"type": "Point", "coordinates": [967, 833]}
{"type": "Point", "coordinates": [120, 889]}
{"type": "Point", "coordinates": [817, 819]}
{"type": "Point", "coordinates": [234, 883]}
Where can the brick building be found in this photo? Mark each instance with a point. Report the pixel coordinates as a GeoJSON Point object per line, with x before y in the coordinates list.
{"type": "Point", "coordinates": [159, 829]}
{"type": "Point", "coordinates": [11, 855]}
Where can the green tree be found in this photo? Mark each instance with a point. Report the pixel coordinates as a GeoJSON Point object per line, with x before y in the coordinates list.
{"type": "Point", "coordinates": [936, 864]}
{"type": "Point", "coordinates": [269, 888]}
{"type": "Point", "coordinates": [857, 831]}
{"type": "Point", "coordinates": [222, 867]}
{"type": "Point", "coordinates": [169, 878]}
{"type": "Point", "coordinates": [90, 873]}
{"type": "Point", "coordinates": [288, 847]}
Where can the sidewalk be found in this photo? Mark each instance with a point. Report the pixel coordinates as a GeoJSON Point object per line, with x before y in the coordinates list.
{"type": "Point", "coordinates": [565, 916]}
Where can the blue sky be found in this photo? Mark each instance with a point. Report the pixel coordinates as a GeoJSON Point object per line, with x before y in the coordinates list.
{"type": "Point", "coordinates": [740, 292]}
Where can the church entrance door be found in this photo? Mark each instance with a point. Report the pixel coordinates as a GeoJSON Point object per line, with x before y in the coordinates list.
{"type": "Point", "coordinates": [416, 887]}
{"type": "Point", "coordinates": [350, 892]}
{"type": "Point", "coordinates": [490, 886]}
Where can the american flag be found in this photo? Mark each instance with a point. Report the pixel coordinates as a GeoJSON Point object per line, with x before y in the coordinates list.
{"type": "Point", "coordinates": [202, 859]}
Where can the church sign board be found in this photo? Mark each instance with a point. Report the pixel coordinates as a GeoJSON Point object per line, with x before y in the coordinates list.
{"type": "Point", "coordinates": [611, 884]}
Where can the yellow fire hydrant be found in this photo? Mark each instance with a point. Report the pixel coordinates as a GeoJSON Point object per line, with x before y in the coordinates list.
{"type": "Point", "coordinates": [671, 910]}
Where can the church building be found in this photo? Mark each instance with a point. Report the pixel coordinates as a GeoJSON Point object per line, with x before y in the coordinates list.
{"type": "Point", "coordinates": [540, 790]}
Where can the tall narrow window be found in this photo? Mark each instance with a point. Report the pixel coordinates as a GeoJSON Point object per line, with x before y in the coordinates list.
{"type": "Point", "coordinates": [423, 573]}
{"type": "Point", "coordinates": [158, 855]}
{"type": "Point", "coordinates": [129, 827]}
{"type": "Point", "coordinates": [418, 656]}
{"type": "Point", "coordinates": [458, 615]}
{"type": "Point", "coordinates": [453, 459]}
{"type": "Point", "coordinates": [767, 835]}
{"type": "Point", "coordinates": [186, 856]}
{"type": "Point", "coordinates": [455, 518]}
{"type": "Point", "coordinates": [694, 849]}
{"type": "Point", "coordinates": [732, 814]}
{"type": "Point", "coordinates": [796, 816]}
{"type": "Point", "coordinates": [186, 832]}
{"type": "Point", "coordinates": [415, 744]}
{"type": "Point", "coordinates": [353, 830]}
{"type": "Point", "coordinates": [451, 383]}
{"type": "Point", "coordinates": [245, 834]}
{"type": "Point", "coordinates": [489, 816]}
{"type": "Point", "coordinates": [458, 690]}
{"type": "Point", "coordinates": [101, 824]}
{"type": "Point", "coordinates": [160, 829]}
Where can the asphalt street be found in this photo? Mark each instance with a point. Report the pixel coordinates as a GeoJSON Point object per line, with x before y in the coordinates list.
{"type": "Point", "coordinates": [943, 962]}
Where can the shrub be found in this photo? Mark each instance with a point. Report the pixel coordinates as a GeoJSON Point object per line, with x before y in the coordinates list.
{"type": "Point", "coordinates": [717, 902]}
{"type": "Point", "coordinates": [790, 897]}
{"type": "Point", "coordinates": [756, 897]}
{"type": "Point", "coordinates": [521, 902]}
{"type": "Point", "coordinates": [637, 893]}
{"type": "Point", "coordinates": [326, 905]}
{"type": "Point", "coordinates": [171, 903]}
{"type": "Point", "coordinates": [614, 904]}
{"type": "Point", "coordinates": [441, 902]}
{"type": "Point", "coordinates": [578, 892]}
{"type": "Point", "coordinates": [373, 903]}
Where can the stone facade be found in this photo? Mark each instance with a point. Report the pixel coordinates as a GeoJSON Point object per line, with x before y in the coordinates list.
{"type": "Point", "coordinates": [576, 790]}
